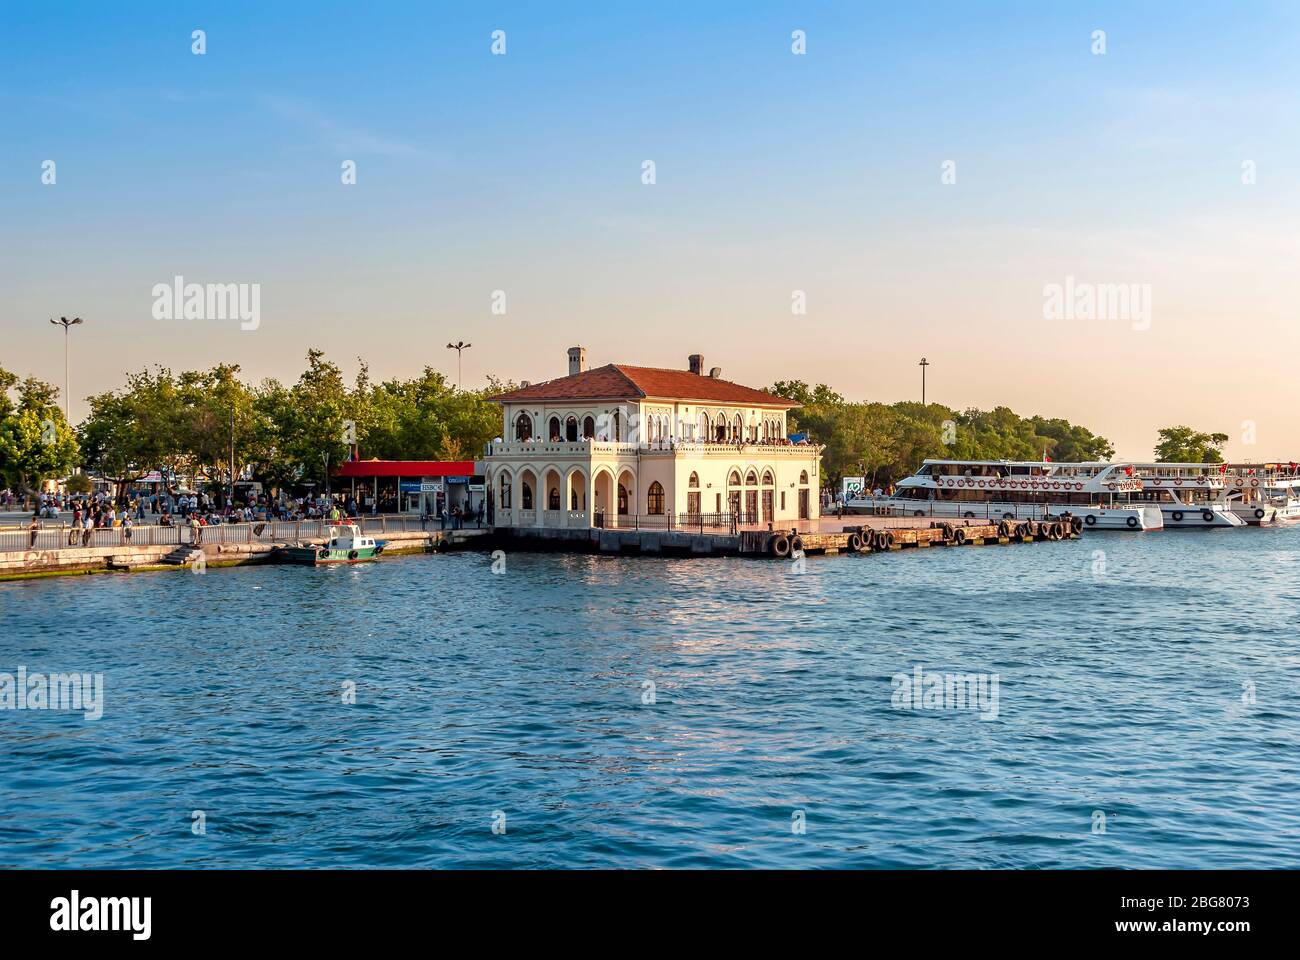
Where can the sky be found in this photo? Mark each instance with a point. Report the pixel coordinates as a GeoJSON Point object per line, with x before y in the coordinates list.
{"type": "Point", "coordinates": [917, 179]}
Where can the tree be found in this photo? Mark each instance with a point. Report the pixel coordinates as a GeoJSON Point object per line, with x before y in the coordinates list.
{"type": "Point", "coordinates": [1185, 445]}
{"type": "Point", "coordinates": [36, 442]}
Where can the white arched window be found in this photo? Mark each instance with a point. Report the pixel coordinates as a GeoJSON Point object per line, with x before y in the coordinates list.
{"type": "Point", "coordinates": [523, 427]}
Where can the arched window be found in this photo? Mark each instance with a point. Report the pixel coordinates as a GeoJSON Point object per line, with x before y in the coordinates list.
{"type": "Point", "coordinates": [622, 500]}
{"type": "Point", "coordinates": [523, 427]}
{"type": "Point", "coordinates": [720, 429]}
{"type": "Point", "coordinates": [573, 498]}
{"type": "Point", "coordinates": [527, 494]}
{"type": "Point", "coordinates": [737, 429]}
{"type": "Point", "coordinates": [554, 431]}
{"type": "Point", "coordinates": [553, 499]}
{"type": "Point", "coordinates": [571, 429]}
{"type": "Point", "coordinates": [618, 433]}
{"type": "Point", "coordinates": [704, 427]}
{"type": "Point", "coordinates": [768, 479]}
{"type": "Point", "coordinates": [654, 499]}
{"type": "Point", "coordinates": [505, 492]}
{"type": "Point", "coordinates": [734, 479]}
{"type": "Point", "coordinates": [751, 479]}
{"type": "Point", "coordinates": [694, 481]}
{"type": "Point", "coordinates": [803, 476]}
{"type": "Point", "coordinates": [588, 428]}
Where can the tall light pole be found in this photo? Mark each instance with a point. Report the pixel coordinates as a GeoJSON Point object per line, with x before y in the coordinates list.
{"type": "Point", "coordinates": [67, 325]}
{"type": "Point", "coordinates": [458, 346]}
{"type": "Point", "coordinates": [923, 364]}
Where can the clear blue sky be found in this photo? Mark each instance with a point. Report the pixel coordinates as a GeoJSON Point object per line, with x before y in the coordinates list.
{"type": "Point", "coordinates": [775, 173]}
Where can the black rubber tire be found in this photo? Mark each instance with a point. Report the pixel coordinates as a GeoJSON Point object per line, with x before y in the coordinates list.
{"type": "Point", "coordinates": [796, 545]}
{"type": "Point", "coordinates": [884, 540]}
{"type": "Point", "coordinates": [855, 543]}
{"type": "Point", "coordinates": [1207, 516]}
{"type": "Point", "coordinates": [1076, 525]}
{"type": "Point", "coordinates": [1259, 513]}
{"type": "Point", "coordinates": [1004, 528]}
{"type": "Point", "coordinates": [919, 513]}
{"type": "Point", "coordinates": [1028, 529]}
{"type": "Point", "coordinates": [1008, 516]}
{"type": "Point", "coordinates": [1090, 520]}
{"type": "Point", "coordinates": [780, 546]}
{"type": "Point", "coordinates": [969, 515]}
{"type": "Point", "coordinates": [959, 536]}
{"type": "Point", "coordinates": [1177, 516]}
{"type": "Point", "coordinates": [352, 554]}
{"type": "Point", "coordinates": [1132, 522]}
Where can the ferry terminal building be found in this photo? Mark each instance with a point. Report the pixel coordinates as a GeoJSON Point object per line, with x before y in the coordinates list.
{"type": "Point", "coordinates": [622, 445]}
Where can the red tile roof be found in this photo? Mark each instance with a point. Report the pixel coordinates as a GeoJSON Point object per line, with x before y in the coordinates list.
{"type": "Point", "coordinates": [618, 381]}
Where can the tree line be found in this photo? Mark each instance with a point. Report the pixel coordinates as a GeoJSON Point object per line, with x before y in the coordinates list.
{"type": "Point", "coordinates": [183, 424]}
{"type": "Point", "coordinates": [886, 442]}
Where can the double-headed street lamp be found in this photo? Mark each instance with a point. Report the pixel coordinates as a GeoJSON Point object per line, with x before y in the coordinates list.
{"type": "Point", "coordinates": [67, 325]}
{"type": "Point", "coordinates": [459, 346]}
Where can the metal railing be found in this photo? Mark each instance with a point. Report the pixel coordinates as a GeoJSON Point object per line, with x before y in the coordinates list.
{"type": "Point", "coordinates": [955, 510]}
{"type": "Point", "coordinates": [63, 536]}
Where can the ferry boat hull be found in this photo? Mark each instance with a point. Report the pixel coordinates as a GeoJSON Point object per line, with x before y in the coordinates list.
{"type": "Point", "coordinates": [322, 556]}
{"type": "Point", "coordinates": [1198, 517]}
{"type": "Point", "coordinates": [1094, 518]}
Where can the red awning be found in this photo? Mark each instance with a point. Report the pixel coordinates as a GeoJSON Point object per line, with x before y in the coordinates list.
{"type": "Point", "coordinates": [406, 468]}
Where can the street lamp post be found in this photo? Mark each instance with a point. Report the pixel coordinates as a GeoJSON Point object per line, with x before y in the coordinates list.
{"type": "Point", "coordinates": [67, 325]}
{"type": "Point", "coordinates": [923, 364]}
{"type": "Point", "coordinates": [459, 346]}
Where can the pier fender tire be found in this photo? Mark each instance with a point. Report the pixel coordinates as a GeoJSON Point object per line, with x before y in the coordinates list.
{"type": "Point", "coordinates": [1259, 513]}
{"type": "Point", "coordinates": [1027, 529]}
{"type": "Point", "coordinates": [352, 554]}
{"type": "Point", "coordinates": [322, 553]}
{"type": "Point", "coordinates": [959, 536]}
{"type": "Point", "coordinates": [796, 545]}
{"type": "Point", "coordinates": [1132, 522]}
{"type": "Point", "coordinates": [884, 540]}
{"type": "Point", "coordinates": [780, 546]}
{"type": "Point", "coordinates": [947, 530]}
{"type": "Point", "coordinates": [855, 543]}
{"type": "Point", "coordinates": [1207, 516]}
{"type": "Point", "coordinates": [1004, 528]}
{"type": "Point", "coordinates": [1076, 524]}
{"type": "Point", "coordinates": [1090, 520]}
{"type": "Point", "coordinates": [1177, 516]}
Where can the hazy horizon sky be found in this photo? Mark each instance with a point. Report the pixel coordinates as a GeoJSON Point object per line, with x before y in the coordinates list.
{"type": "Point", "coordinates": [775, 173]}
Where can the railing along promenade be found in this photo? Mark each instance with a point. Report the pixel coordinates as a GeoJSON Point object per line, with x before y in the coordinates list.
{"type": "Point", "coordinates": [61, 535]}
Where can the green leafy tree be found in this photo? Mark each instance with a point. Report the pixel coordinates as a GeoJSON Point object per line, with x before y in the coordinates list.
{"type": "Point", "coordinates": [1185, 445]}
{"type": "Point", "coordinates": [36, 442]}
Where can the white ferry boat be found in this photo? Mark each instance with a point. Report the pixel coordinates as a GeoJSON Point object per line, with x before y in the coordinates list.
{"type": "Point", "coordinates": [1255, 494]}
{"type": "Point", "coordinates": [1008, 489]}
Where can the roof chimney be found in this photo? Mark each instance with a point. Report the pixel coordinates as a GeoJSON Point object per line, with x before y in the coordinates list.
{"type": "Point", "coordinates": [577, 360]}
{"type": "Point", "coordinates": [696, 361]}
{"type": "Point", "coordinates": [715, 372]}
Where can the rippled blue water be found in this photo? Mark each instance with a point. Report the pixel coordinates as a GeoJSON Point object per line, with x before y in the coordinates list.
{"type": "Point", "coordinates": [1121, 681]}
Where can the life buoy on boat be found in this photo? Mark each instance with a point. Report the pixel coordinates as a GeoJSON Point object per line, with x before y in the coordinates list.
{"type": "Point", "coordinates": [1155, 481]}
{"type": "Point", "coordinates": [1178, 483]}
{"type": "Point", "coordinates": [1254, 483]}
